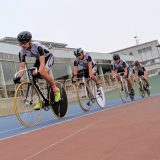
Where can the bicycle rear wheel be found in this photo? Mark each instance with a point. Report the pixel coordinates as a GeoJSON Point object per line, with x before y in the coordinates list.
{"type": "Point", "coordinates": [142, 93]}
{"type": "Point", "coordinates": [59, 108]}
{"type": "Point", "coordinates": [83, 98]}
{"type": "Point", "coordinates": [26, 97]}
{"type": "Point", "coordinates": [100, 97]}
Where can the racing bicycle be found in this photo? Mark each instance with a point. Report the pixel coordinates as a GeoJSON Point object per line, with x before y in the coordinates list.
{"type": "Point", "coordinates": [87, 94]}
{"type": "Point", "coordinates": [143, 87]}
{"type": "Point", "coordinates": [124, 92]}
{"type": "Point", "coordinates": [29, 93]}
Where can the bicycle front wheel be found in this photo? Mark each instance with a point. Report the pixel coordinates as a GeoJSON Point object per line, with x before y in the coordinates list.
{"type": "Point", "coordinates": [82, 94]}
{"type": "Point", "coordinates": [25, 99]}
{"type": "Point", "coordinates": [124, 94]}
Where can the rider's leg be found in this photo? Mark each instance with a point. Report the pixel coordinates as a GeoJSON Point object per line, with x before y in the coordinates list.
{"type": "Point", "coordinates": [140, 84]}
{"type": "Point", "coordinates": [94, 78]}
{"type": "Point", "coordinates": [129, 83]}
{"type": "Point", "coordinates": [119, 80]}
{"type": "Point", "coordinates": [146, 79]}
{"type": "Point", "coordinates": [45, 74]}
{"type": "Point", "coordinates": [147, 83]}
{"type": "Point", "coordinates": [91, 98]}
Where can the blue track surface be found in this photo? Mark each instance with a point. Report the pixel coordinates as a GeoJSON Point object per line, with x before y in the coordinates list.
{"type": "Point", "coordinates": [10, 126]}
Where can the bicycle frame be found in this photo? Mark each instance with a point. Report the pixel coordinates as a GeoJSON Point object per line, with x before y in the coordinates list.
{"type": "Point", "coordinates": [142, 82]}
{"type": "Point", "coordinates": [125, 87]}
{"type": "Point", "coordinates": [88, 83]}
{"type": "Point", "coordinates": [32, 80]}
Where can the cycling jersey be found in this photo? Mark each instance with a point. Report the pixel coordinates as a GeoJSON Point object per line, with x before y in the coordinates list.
{"type": "Point", "coordinates": [139, 70]}
{"type": "Point", "coordinates": [120, 66]}
{"type": "Point", "coordinates": [84, 62]}
{"type": "Point", "coordinates": [36, 50]}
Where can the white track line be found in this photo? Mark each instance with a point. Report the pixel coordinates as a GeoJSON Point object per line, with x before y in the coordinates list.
{"type": "Point", "coordinates": [60, 141]}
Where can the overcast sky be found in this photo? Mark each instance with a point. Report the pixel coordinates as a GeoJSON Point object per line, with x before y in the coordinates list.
{"type": "Point", "coordinates": [94, 25]}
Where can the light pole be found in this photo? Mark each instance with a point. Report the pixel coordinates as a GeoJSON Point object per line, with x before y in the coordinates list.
{"type": "Point", "coordinates": [137, 40]}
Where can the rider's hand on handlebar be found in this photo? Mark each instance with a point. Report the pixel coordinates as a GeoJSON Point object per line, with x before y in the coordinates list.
{"type": "Point", "coordinates": [16, 80]}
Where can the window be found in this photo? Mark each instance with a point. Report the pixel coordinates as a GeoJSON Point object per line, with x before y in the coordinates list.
{"type": "Point", "coordinates": [8, 71]}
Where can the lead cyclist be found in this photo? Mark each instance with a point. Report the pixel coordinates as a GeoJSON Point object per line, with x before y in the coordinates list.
{"type": "Point", "coordinates": [44, 61]}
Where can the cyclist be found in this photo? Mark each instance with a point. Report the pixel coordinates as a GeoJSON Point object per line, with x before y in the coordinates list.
{"type": "Point", "coordinates": [119, 65]}
{"type": "Point", "coordinates": [89, 67]}
{"type": "Point", "coordinates": [139, 70]}
{"type": "Point", "coordinates": [44, 61]}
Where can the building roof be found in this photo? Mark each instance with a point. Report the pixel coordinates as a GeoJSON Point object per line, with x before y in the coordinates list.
{"type": "Point", "coordinates": [139, 45]}
{"type": "Point", "coordinates": [12, 40]}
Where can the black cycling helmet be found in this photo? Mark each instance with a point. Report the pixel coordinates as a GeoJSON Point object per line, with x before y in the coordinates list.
{"type": "Point", "coordinates": [137, 63]}
{"type": "Point", "coordinates": [24, 36]}
{"type": "Point", "coordinates": [78, 51]}
{"type": "Point", "coordinates": [116, 57]}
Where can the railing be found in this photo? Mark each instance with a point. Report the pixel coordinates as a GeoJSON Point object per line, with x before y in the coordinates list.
{"type": "Point", "coordinates": [7, 92]}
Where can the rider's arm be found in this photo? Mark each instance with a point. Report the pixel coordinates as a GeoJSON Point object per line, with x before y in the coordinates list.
{"type": "Point", "coordinates": [42, 63]}
{"type": "Point", "coordinates": [145, 73]}
{"type": "Point", "coordinates": [90, 66]}
{"type": "Point", "coordinates": [22, 59]}
{"type": "Point", "coordinates": [113, 72]}
{"type": "Point", "coordinates": [41, 59]}
{"type": "Point", "coordinates": [125, 71]}
{"type": "Point", "coordinates": [125, 68]}
{"type": "Point", "coordinates": [75, 70]}
{"type": "Point", "coordinates": [21, 67]}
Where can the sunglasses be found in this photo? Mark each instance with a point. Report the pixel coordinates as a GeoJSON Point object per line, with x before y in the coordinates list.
{"type": "Point", "coordinates": [23, 43]}
{"type": "Point", "coordinates": [78, 54]}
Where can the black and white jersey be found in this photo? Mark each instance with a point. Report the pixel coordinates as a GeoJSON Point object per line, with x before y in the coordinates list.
{"type": "Point", "coordinates": [84, 62]}
{"type": "Point", "coordinates": [36, 50]}
{"type": "Point", "coordinates": [120, 66]}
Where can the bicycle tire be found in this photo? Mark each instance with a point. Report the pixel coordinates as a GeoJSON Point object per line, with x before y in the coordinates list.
{"type": "Point", "coordinates": [124, 94]}
{"type": "Point", "coordinates": [142, 91]}
{"type": "Point", "coordinates": [146, 89]}
{"type": "Point", "coordinates": [100, 98]}
{"type": "Point", "coordinates": [83, 97]}
{"type": "Point", "coordinates": [26, 96]}
{"type": "Point", "coordinates": [59, 108]}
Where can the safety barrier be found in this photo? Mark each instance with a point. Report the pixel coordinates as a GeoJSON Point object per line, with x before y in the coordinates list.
{"type": "Point", "coordinates": [7, 92]}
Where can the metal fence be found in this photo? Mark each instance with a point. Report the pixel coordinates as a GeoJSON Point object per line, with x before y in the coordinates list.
{"type": "Point", "coordinates": [7, 92]}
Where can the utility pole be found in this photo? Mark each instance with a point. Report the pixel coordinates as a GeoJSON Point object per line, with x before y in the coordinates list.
{"type": "Point", "coordinates": [137, 40]}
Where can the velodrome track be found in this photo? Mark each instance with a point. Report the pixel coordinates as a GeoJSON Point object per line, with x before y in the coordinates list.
{"type": "Point", "coordinates": [10, 126]}
{"type": "Point", "coordinates": [60, 131]}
